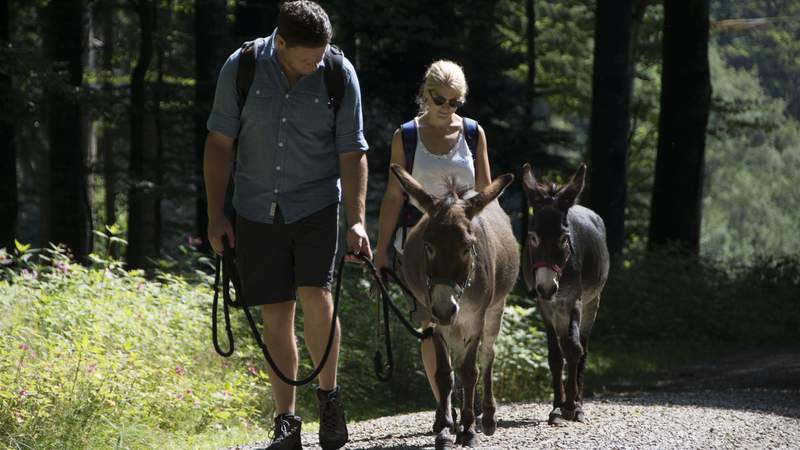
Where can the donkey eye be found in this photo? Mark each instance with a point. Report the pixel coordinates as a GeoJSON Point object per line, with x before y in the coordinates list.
{"type": "Point", "coordinates": [565, 241]}
{"type": "Point", "coordinates": [533, 238]}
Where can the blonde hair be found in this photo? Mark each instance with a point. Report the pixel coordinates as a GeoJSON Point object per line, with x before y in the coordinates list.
{"type": "Point", "coordinates": [442, 73]}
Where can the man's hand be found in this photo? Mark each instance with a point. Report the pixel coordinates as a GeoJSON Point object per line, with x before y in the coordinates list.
{"type": "Point", "coordinates": [217, 228]}
{"type": "Point", "coordinates": [358, 243]}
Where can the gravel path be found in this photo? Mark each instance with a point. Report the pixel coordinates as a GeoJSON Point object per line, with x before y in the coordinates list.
{"type": "Point", "coordinates": [755, 418]}
{"type": "Point", "coordinates": [754, 404]}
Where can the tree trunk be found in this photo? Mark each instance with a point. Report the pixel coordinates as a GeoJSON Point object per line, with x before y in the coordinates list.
{"type": "Point", "coordinates": [64, 42]}
{"type": "Point", "coordinates": [610, 123]}
{"type": "Point", "coordinates": [676, 209]}
{"type": "Point", "coordinates": [254, 19]}
{"type": "Point", "coordinates": [8, 167]}
{"type": "Point", "coordinates": [212, 45]}
{"type": "Point", "coordinates": [106, 144]}
{"type": "Point", "coordinates": [142, 198]}
{"type": "Point", "coordinates": [530, 97]}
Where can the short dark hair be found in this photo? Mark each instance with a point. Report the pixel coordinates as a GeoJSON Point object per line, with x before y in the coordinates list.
{"type": "Point", "coordinates": [304, 23]}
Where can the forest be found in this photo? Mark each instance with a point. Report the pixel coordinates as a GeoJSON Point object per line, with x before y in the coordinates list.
{"type": "Point", "coordinates": [687, 114]}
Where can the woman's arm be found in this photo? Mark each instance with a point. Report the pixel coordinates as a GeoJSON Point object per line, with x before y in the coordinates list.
{"type": "Point", "coordinates": [391, 205]}
{"type": "Point", "coordinates": [483, 174]}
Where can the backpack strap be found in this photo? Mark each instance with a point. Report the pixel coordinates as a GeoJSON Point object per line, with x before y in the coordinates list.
{"type": "Point", "coordinates": [409, 214]}
{"type": "Point", "coordinates": [246, 71]}
{"type": "Point", "coordinates": [408, 133]}
{"type": "Point", "coordinates": [471, 136]}
{"type": "Point", "coordinates": [333, 72]}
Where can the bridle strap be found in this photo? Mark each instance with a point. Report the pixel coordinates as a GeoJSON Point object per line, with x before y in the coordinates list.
{"type": "Point", "coordinates": [554, 267]}
{"type": "Point", "coordinates": [458, 288]}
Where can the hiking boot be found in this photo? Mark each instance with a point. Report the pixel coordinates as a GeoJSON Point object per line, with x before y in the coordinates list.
{"type": "Point", "coordinates": [332, 424]}
{"type": "Point", "coordinates": [286, 435]}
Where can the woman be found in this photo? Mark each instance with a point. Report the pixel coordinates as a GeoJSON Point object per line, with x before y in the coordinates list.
{"type": "Point", "coordinates": [441, 151]}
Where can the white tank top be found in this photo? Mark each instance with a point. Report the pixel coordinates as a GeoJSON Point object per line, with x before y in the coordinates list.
{"type": "Point", "coordinates": [432, 170]}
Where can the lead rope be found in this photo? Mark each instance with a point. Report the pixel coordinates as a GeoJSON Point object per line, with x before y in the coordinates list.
{"type": "Point", "coordinates": [230, 276]}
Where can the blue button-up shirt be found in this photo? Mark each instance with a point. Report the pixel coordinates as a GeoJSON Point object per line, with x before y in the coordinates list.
{"type": "Point", "coordinates": [288, 150]}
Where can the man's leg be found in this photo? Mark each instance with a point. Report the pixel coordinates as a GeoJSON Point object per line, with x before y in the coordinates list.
{"type": "Point", "coordinates": [317, 312]}
{"type": "Point", "coordinates": [278, 319]}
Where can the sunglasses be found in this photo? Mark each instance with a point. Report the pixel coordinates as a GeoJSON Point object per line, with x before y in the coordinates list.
{"type": "Point", "coordinates": [438, 100]}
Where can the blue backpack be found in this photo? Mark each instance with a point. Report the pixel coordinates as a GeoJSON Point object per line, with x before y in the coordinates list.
{"type": "Point", "coordinates": [410, 215]}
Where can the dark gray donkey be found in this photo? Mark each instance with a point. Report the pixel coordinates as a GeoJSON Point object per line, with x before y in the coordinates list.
{"type": "Point", "coordinates": [461, 260]}
{"type": "Point", "coordinates": [565, 262]}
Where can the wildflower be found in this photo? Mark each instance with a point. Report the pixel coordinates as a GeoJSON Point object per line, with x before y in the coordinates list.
{"type": "Point", "coordinates": [252, 371]}
{"type": "Point", "coordinates": [23, 393]}
{"type": "Point", "coordinates": [92, 368]}
{"type": "Point", "coordinates": [189, 392]}
{"type": "Point", "coordinates": [24, 347]}
{"type": "Point", "coordinates": [179, 370]}
{"type": "Point", "coordinates": [64, 268]}
{"type": "Point", "coordinates": [30, 273]}
{"type": "Point", "coordinates": [194, 241]}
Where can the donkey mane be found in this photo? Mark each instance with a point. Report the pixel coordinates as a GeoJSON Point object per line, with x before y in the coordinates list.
{"type": "Point", "coordinates": [453, 192]}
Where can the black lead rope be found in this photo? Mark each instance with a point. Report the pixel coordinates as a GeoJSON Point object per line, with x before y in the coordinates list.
{"type": "Point", "coordinates": [230, 275]}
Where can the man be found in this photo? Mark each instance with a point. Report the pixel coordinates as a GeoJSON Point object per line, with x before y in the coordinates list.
{"type": "Point", "coordinates": [293, 150]}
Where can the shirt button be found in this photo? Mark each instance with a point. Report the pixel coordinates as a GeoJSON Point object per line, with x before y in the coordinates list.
{"type": "Point", "coordinates": [258, 91]}
{"type": "Point", "coordinates": [283, 119]}
{"type": "Point", "coordinates": [316, 100]}
{"type": "Point", "coordinates": [280, 144]}
{"type": "Point", "coordinates": [278, 168]}
{"type": "Point", "coordinates": [275, 191]}
{"type": "Point", "coordinates": [287, 96]}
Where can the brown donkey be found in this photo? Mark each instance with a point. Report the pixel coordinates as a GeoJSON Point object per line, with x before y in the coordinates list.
{"type": "Point", "coordinates": [461, 260]}
{"type": "Point", "coordinates": [565, 262]}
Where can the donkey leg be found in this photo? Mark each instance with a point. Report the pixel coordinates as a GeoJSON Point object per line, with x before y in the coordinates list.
{"type": "Point", "coordinates": [573, 352]}
{"type": "Point", "coordinates": [579, 414]}
{"type": "Point", "coordinates": [556, 362]}
{"type": "Point", "coordinates": [469, 379]}
{"type": "Point", "coordinates": [443, 425]}
{"type": "Point", "coordinates": [491, 329]}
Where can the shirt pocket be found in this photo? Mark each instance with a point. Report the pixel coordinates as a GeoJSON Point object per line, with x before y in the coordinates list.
{"type": "Point", "coordinates": [313, 112]}
{"type": "Point", "coordinates": [261, 105]}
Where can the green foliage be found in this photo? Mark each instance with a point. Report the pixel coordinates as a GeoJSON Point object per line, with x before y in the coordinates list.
{"type": "Point", "coordinates": [521, 371]}
{"type": "Point", "coordinates": [667, 297]}
{"type": "Point", "coordinates": [100, 358]}
{"type": "Point", "coordinates": [752, 200]}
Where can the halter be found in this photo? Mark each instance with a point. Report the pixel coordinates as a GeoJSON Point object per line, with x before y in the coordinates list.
{"type": "Point", "coordinates": [553, 266]}
{"type": "Point", "coordinates": [458, 288]}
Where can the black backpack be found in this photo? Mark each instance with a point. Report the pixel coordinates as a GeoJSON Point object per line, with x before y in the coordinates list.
{"type": "Point", "coordinates": [410, 215]}
{"type": "Point", "coordinates": [333, 73]}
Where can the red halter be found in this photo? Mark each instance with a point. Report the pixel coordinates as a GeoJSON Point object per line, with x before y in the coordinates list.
{"type": "Point", "coordinates": [552, 267]}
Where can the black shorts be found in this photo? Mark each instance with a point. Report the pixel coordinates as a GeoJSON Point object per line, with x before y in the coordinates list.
{"type": "Point", "coordinates": [275, 259]}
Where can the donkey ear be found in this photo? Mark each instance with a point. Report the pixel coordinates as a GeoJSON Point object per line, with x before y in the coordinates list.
{"type": "Point", "coordinates": [476, 203]}
{"type": "Point", "coordinates": [569, 194]}
{"type": "Point", "coordinates": [530, 186]}
{"type": "Point", "coordinates": [412, 187]}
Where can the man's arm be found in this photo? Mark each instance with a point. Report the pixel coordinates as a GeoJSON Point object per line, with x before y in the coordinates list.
{"type": "Point", "coordinates": [353, 169]}
{"type": "Point", "coordinates": [217, 164]}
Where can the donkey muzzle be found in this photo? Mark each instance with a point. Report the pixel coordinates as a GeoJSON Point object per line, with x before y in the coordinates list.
{"type": "Point", "coordinates": [443, 304]}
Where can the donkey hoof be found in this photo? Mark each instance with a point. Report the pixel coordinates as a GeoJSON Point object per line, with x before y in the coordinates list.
{"type": "Point", "coordinates": [467, 438]}
{"type": "Point", "coordinates": [488, 425]}
{"type": "Point", "coordinates": [580, 416]}
{"type": "Point", "coordinates": [444, 440]}
{"type": "Point", "coordinates": [555, 418]}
